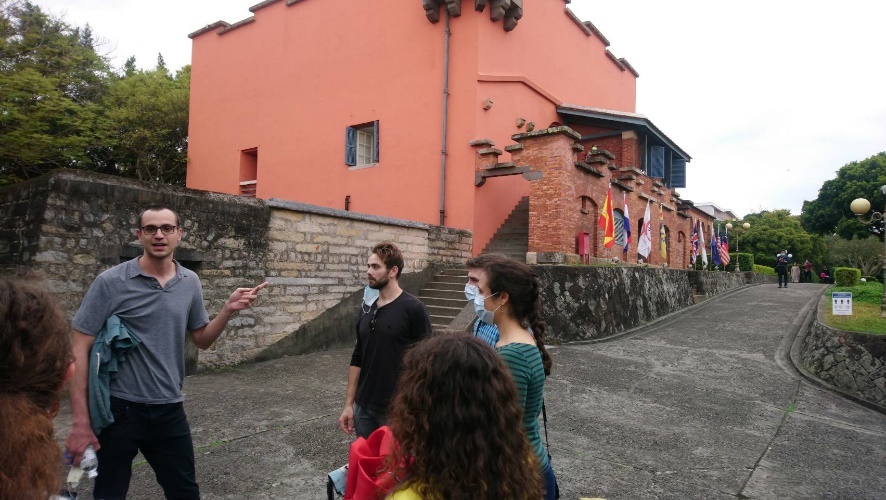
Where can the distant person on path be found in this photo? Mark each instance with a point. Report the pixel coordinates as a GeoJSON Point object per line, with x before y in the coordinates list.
{"type": "Point", "coordinates": [508, 295]}
{"type": "Point", "coordinates": [159, 302]}
{"type": "Point", "coordinates": [385, 330]}
{"type": "Point", "coordinates": [781, 268]}
{"type": "Point", "coordinates": [807, 271]}
{"type": "Point", "coordinates": [453, 418]}
{"type": "Point", "coordinates": [35, 362]}
{"type": "Point", "coordinates": [795, 273]}
{"type": "Point", "coordinates": [825, 275]}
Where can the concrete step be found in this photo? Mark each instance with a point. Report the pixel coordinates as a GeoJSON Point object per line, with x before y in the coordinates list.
{"type": "Point", "coordinates": [447, 280]}
{"type": "Point", "coordinates": [442, 293]}
{"type": "Point", "coordinates": [443, 311]}
{"type": "Point", "coordinates": [699, 298]}
{"type": "Point", "coordinates": [437, 301]}
{"type": "Point", "coordinates": [441, 321]}
{"type": "Point", "coordinates": [454, 271]}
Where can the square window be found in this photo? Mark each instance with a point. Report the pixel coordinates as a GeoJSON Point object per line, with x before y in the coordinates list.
{"type": "Point", "coordinates": [361, 145]}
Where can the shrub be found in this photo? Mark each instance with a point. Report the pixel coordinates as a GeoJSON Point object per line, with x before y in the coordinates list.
{"type": "Point", "coordinates": [846, 276]}
{"type": "Point", "coordinates": [769, 271]}
{"type": "Point", "coordinates": [870, 292]}
{"type": "Point", "coordinates": [745, 259]}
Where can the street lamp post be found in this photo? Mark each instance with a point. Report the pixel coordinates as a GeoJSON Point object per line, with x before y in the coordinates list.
{"type": "Point", "coordinates": [859, 207]}
{"type": "Point", "coordinates": [737, 260]}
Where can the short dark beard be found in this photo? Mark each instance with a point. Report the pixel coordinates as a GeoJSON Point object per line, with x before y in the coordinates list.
{"type": "Point", "coordinates": [379, 284]}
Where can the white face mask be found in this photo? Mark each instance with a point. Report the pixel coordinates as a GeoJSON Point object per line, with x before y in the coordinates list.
{"type": "Point", "coordinates": [471, 291]}
{"type": "Point", "coordinates": [370, 295]}
{"type": "Point", "coordinates": [485, 315]}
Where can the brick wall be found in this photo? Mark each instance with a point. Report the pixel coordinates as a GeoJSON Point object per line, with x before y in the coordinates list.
{"type": "Point", "coordinates": [568, 195]}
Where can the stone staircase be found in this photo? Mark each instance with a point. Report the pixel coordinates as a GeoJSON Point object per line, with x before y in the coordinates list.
{"type": "Point", "coordinates": [512, 238]}
{"type": "Point", "coordinates": [444, 296]}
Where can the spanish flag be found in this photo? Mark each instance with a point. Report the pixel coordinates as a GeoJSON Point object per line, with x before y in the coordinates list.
{"type": "Point", "coordinates": [607, 221]}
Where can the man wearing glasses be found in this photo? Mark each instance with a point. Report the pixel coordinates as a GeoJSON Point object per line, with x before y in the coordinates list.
{"type": "Point", "coordinates": [158, 301]}
{"type": "Point", "coordinates": [386, 327]}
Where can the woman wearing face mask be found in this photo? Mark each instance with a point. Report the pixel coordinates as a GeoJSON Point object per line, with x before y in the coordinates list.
{"type": "Point", "coordinates": [507, 296]}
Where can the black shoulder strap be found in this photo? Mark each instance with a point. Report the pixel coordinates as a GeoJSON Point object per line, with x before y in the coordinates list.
{"type": "Point", "coordinates": [544, 418]}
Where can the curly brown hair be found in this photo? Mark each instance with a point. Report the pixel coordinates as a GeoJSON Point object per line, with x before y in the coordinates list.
{"type": "Point", "coordinates": [35, 351]}
{"type": "Point", "coordinates": [505, 274]}
{"type": "Point", "coordinates": [453, 416]}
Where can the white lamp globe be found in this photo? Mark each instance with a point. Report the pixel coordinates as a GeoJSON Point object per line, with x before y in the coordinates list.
{"type": "Point", "coordinates": [860, 206]}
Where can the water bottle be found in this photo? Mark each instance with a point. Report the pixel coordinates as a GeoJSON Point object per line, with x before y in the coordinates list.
{"type": "Point", "coordinates": [89, 463]}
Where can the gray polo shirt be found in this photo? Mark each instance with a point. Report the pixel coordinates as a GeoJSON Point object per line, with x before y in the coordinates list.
{"type": "Point", "coordinates": [159, 316]}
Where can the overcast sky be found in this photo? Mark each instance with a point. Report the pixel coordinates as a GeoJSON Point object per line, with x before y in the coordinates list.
{"type": "Point", "coordinates": [770, 98]}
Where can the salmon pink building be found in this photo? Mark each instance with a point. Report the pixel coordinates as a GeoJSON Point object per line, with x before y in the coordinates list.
{"type": "Point", "coordinates": [502, 117]}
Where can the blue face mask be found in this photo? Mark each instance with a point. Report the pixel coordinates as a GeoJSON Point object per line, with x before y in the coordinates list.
{"type": "Point", "coordinates": [485, 316]}
{"type": "Point", "coordinates": [370, 295]}
{"type": "Point", "coordinates": [471, 291]}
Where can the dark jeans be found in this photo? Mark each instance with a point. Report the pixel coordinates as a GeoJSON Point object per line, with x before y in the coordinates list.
{"type": "Point", "coordinates": [552, 491]}
{"type": "Point", "coordinates": [366, 421]}
{"type": "Point", "coordinates": [162, 434]}
{"type": "Point", "coordinates": [782, 275]}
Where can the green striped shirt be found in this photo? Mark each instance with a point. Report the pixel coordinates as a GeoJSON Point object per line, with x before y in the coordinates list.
{"type": "Point", "coordinates": [526, 366]}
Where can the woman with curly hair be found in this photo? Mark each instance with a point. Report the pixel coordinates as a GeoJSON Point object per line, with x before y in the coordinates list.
{"type": "Point", "coordinates": [453, 418]}
{"type": "Point", "coordinates": [35, 362]}
{"type": "Point", "coordinates": [508, 296]}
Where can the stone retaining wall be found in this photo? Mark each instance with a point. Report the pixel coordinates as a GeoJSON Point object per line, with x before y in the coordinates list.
{"type": "Point", "coordinates": [64, 228]}
{"type": "Point", "coordinates": [589, 302]}
{"type": "Point", "coordinates": [853, 362]}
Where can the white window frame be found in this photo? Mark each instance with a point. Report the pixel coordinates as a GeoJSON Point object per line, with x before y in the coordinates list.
{"type": "Point", "coordinates": [365, 146]}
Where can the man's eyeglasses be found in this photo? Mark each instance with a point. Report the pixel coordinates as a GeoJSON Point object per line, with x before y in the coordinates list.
{"type": "Point", "coordinates": [372, 321]}
{"type": "Point", "coordinates": [166, 228]}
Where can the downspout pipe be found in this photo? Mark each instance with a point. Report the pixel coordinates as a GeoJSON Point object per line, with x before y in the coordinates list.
{"type": "Point", "coordinates": [447, 34]}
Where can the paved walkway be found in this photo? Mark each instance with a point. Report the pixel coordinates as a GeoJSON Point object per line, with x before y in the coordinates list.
{"type": "Point", "coordinates": [704, 404]}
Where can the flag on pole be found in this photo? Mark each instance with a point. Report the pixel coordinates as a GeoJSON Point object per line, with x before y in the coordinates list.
{"type": "Point", "coordinates": [644, 246]}
{"type": "Point", "coordinates": [715, 248]}
{"type": "Point", "coordinates": [627, 226]}
{"type": "Point", "coordinates": [693, 240]}
{"type": "Point", "coordinates": [724, 248]}
{"type": "Point", "coordinates": [607, 222]}
{"type": "Point", "coordinates": [701, 245]}
{"type": "Point", "coordinates": [662, 235]}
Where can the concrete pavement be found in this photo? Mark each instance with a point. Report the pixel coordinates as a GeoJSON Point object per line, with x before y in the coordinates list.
{"type": "Point", "coordinates": [703, 404]}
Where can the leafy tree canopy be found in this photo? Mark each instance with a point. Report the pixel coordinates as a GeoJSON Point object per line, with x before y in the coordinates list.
{"type": "Point", "coordinates": [772, 231]}
{"type": "Point", "coordinates": [51, 85]}
{"type": "Point", "coordinates": [830, 214]}
{"type": "Point", "coordinates": [61, 105]}
{"type": "Point", "coordinates": [865, 254]}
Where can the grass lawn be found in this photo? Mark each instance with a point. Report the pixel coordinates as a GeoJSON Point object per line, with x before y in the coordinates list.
{"type": "Point", "coordinates": [866, 301]}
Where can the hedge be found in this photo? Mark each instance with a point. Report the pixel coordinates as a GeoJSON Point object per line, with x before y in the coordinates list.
{"type": "Point", "coordinates": [847, 276]}
{"type": "Point", "coordinates": [767, 270]}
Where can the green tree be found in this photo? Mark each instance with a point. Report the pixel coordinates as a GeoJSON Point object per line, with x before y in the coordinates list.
{"type": "Point", "coordinates": [147, 112]}
{"type": "Point", "coordinates": [772, 231]}
{"type": "Point", "coordinates": [51, 85]}
{"type": "Point", "coordinates": [865, 254]}
{"type": "Point", "coordinates": [830, 214]}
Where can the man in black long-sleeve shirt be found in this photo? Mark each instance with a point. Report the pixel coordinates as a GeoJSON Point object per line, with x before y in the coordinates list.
{"type": "Point", "coordinates": [385, 329]}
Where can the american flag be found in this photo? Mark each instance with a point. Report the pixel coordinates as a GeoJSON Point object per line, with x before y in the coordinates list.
{"type": "Point", "coordinates": [724, 248]}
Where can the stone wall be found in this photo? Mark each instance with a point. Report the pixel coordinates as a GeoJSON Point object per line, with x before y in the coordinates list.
{"type": "Point", "coordinates": [584, 303]}
{"type": "Point", "coordinates": [64, 228]}
{"type": "Point", "coordinates": [853, 362]}
{"type": "Point", "coordinates": [709, 283]}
